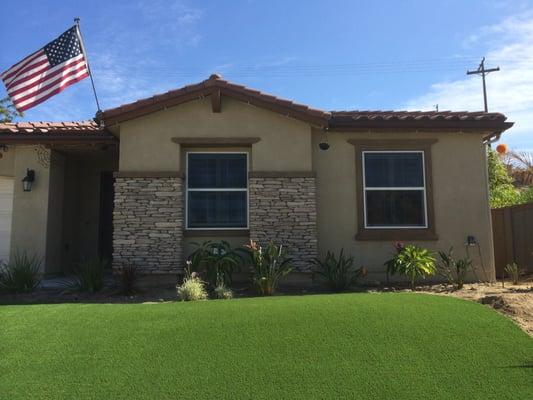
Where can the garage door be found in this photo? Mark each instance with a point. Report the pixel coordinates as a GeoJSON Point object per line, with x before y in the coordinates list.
{"type": "Point", "coordinates": [6, 208]}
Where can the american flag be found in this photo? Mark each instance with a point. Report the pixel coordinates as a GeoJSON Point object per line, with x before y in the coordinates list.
{"type": "Point", "coordinates": [46, 72]}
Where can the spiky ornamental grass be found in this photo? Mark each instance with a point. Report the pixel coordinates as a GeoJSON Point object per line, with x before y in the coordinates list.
{"type": "Point", "coordinates": [21, 273]}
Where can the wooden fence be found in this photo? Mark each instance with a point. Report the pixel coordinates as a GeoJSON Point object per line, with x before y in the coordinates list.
{"type": "Point", "coordinates": [512, 230]}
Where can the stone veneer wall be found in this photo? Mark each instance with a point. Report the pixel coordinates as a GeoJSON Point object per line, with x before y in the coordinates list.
{"type": "Point", "coordinates": [284, 209]}
{"type": "Point", "coordinates": [148, 224]}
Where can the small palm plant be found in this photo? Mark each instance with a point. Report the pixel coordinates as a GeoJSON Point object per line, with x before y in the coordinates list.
{"type": "Point", "coordinates": [269, 265]}
{"type": "Point", "coordinates": [413, 262]}
{"type": "Point", "coordinates": [218, 259]}
{"type": "Point", "coordinates": [337, 273]}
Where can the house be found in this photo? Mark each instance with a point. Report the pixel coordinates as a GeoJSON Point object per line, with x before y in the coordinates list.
{"type": "Point", "coordinates": [216, 160]}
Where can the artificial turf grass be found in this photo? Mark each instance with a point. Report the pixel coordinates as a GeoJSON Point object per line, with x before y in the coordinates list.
{"type": "Point", "coordinates": [325, 346]}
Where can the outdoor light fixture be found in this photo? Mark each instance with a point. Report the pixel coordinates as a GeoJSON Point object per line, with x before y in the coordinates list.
{"type": "Point", "coordinates": [27, 181]}
{"type": "Point", "coordinates": [324, 145]}
{"type": "Point", "coordinates": [471, 240]}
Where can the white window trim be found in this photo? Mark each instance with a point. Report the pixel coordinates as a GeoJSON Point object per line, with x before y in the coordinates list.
{"type": "Point", "coordinates": [216, 190]}
{"type": "Point", "coordinates": [421, 188]}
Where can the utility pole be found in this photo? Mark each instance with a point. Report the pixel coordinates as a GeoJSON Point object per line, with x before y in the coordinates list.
{"type": "Point", "coordinates": [482, 71]}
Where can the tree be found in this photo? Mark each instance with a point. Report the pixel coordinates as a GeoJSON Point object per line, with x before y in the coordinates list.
{"type": "Point", "coordinates": [502, 191]}
{"type": "Point", "coordinates": [520, 164]}
{"type": "Point", "coordinates": [8, 112]}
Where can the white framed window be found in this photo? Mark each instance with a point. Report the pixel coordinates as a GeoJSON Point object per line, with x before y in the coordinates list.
{"type": "Point", "coordinates": [216, 190]}
{"type": "Point", "coordinates": [394, 189]}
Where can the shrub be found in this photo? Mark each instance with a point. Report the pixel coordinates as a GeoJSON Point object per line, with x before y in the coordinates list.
{"type": "Point", "coordinates": [269, 265]}
{"type": "Point", "coordinates": [216, 259]}
{"type": "Point", "coordinates": [88, 276]}
{"type": "Point", "coordinates": [413, 262]}
{"type": "Point", "coordinates": [20, 273]}
{"type": "Point", "coordinates": [128, 279]}
{"type": "Point", "coordinates": [454, 270]}
{"type": "Point", "coordinates": [337, 273]}
{"type": "Point", "coordinates": [513, 271]}
{"type": "Point", "coordinates": [192, 288]}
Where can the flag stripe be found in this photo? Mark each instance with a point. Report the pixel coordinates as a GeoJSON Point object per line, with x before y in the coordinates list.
{"type": "Point", "coordinates": [17, 66]}
{"type": "Point", "coordinates": [52, 93]}
{"type": "Point", "coordinates": [38, 63]}
{"type": "Point", "coordinates": [40, 77]}
{"type": "Point", "coordinates": [36, 68]}
{"type": "Point", "coordinates": [38, 98]}
{"type": "Point", "coordinates": [47, 84]}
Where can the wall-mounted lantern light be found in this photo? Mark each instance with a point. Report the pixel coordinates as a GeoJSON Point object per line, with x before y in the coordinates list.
{"type": "Point", "coordinates": [27, 181]}
{"type": "Point", "coordinates": [324, 145]}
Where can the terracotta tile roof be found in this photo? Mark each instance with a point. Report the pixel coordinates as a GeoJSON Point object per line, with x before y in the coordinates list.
{"type": "Point", "coordinates": [493, 123]}
{"type": "Point", "coordinates": [206, 88]}
{"type": "Point", "coordinates": [73, 127]}
{"type": "Point", "coordinates": [417, 115]}
{"type": "Point", "coordinates": [215, 86]}
{"type": "Point", "coordinates": [75, 132]}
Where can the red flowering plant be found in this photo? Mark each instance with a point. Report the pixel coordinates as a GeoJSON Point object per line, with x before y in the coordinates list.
{"type": "Point", "coordinates": [269, 265]}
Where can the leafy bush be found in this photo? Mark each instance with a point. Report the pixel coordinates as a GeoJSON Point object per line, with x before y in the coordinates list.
{"type": "Point", "coordinates": [453, 270]}
{"type": "Point", "coordinates": [20, 273]}
{"type": "Point", "coordinates": [192, 288]}
{"type": "Point", "coordinates": [413, 262]}
{"type": "Point", "coordinates": [88, 276]}
{"type": "Point", "coordinates": [269, 265]}
{"type": "Point", "coordinates": [128, 279]}
{"type": "Point", "coordinates": [337, 273]}
{"type": "Point", "coordinates": [513, 271]}
{"type": "Point", "coordinates": [216, 259]}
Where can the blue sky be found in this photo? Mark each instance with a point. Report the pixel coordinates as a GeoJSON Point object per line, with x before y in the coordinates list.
{"type": "Point", "coordinates": [332, 55]}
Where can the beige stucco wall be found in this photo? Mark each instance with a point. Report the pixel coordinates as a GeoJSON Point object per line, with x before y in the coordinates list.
{"type": "Point", "coordinates": [459, 191]}
{"type": "Point", "coordinates": [7, 162]}
{"type": "Point", "coordinates": [458, 169]}
{"type": "Point", "coordinates": [30, 209]}
{"type": "Point", "coordinates": [145, 142]}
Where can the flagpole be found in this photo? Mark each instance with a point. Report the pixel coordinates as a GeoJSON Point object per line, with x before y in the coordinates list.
{"type": "Point", "coordinates": [77, 21]}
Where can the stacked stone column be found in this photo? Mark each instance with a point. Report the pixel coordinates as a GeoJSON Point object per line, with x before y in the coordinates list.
{"type": "Point", "coordinates": [283, 209]}
{"type": "Point", "coordinates": [148, 222]}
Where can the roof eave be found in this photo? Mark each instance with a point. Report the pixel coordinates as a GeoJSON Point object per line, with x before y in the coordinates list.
{"type": "Point", "coordinates": [25, 138]}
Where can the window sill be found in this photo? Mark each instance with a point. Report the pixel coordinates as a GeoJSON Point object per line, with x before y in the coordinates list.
{"type": "Point", "coordinates": [396, 234]}
{"type": "Point", "coordinates": [215, 232]}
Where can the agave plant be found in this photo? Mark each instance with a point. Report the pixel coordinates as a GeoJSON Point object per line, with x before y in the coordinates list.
{"type": "Point", "coordinates": [337, 272]}
{"type": "Point", "coordinates": [413, 262]}
{"type": "Point", "coordinates": [269, 265]}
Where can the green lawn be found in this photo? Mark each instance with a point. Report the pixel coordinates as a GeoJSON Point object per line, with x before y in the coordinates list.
{"type": "Point", "coordinates": [376, 346]}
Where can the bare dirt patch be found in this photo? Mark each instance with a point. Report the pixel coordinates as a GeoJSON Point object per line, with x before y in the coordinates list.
{"type": "Point", "coordinates": [514, 301]}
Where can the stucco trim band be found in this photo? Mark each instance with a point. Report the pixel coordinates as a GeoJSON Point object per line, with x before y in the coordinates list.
{"type": "Point", "coordinates": [149, 174]}
{"type": "Point", "coordinates": [215, 141]}
{"type": "Point", "coordinates": [282, 174]}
